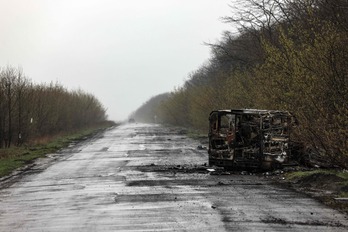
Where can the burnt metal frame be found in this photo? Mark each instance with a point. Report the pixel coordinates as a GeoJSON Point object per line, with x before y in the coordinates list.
{"type": "Point", "coordinates": [255, 138]}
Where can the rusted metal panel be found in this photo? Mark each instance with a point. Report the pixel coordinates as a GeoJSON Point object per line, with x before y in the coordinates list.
{"type": "Point", "coordinates": [249, 138]}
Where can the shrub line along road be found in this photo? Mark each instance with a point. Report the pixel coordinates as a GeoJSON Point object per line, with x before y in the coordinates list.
{"type": "Point", "coordinates": [143, 177]}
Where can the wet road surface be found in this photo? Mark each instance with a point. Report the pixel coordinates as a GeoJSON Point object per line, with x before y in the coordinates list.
{"type": "Point", "coordinates": [141, 177]}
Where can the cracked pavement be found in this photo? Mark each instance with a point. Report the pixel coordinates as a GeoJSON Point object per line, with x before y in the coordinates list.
{"type": "Point", "coordinates": [145, 177]}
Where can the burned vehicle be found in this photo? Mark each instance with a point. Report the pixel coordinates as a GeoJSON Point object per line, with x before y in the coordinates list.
{"type": "Point", "coordinates": [249, 138]}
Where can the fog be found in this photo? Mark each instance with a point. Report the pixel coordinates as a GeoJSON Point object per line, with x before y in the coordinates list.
{"type": "Point", "coordinates": [122, 51]}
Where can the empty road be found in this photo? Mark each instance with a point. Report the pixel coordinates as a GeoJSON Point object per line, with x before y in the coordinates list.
{"type": "Point", "coordinates": [143, 177]}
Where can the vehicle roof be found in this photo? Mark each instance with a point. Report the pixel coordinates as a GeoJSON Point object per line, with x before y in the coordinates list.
{"type": "Point", "coordinates": [250, 111]}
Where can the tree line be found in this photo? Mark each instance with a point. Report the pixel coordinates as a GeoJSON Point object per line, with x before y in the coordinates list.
{"type": "Point", "coordinates": [30, 111]}
{"type": "Point", "coordinates": [287, 55]}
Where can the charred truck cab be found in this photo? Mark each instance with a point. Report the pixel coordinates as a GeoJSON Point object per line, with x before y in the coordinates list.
{"type": "Point", "coordinates": [249, 138]}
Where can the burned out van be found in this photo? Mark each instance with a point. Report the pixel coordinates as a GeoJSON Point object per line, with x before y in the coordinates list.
{"type": "Point", "coordinates": [249, 138]}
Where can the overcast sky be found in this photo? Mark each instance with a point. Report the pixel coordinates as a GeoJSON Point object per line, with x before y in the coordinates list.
{"type": "Point", "coordinates": [121, 51]}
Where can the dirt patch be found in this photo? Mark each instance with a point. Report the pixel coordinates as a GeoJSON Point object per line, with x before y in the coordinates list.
{"type": "Point", "coordinates": [328, 188]}
{"type": "Point", "coordinates": [324, 181]}
{"type": "Point", "coordinates": [193, 169]}
{"type": "Point", "coordinates": [274, 220]}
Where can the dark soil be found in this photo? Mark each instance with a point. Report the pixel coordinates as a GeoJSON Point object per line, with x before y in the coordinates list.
{"type": "Point", "coordinates": [325, 187]}
{"type": "Point", "coordinates": [328, 188]}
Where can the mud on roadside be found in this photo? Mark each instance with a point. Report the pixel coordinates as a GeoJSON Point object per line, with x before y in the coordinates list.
{"type": "Point", "coordinates": [327, 188]}
{"type": "Point", "coordinates": [324, 185]}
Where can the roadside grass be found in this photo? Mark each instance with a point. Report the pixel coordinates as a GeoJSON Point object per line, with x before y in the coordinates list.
{"type": "Point", "coordinates": [16, 157]}
{"type": "Point", "coordinates": [329, 186]}
{"type": "Point", "coordinates": [198, 135]}
{"type": "Point", "coordinates": [298, 175]}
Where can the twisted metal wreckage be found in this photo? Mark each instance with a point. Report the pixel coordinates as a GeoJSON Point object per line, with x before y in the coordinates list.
{"type": "Point", "coordinates": [249, 138]}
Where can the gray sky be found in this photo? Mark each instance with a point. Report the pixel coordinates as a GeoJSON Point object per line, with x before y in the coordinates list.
{"type": "Point", "coordinates": [122, 51]}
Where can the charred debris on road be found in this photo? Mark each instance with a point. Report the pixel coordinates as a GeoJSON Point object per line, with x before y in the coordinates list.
{"type": "Point", "coordinates": [258, 142]}
{"type": "Point", "coordinates": [325, 185]}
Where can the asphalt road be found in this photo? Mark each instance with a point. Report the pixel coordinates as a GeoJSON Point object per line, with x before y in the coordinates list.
{"type": "Point", "coordinates": [140, 177]}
